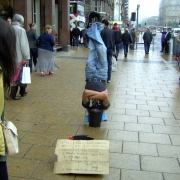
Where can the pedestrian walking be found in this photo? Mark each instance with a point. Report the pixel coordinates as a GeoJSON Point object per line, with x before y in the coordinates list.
{"type": "Point", "coordinates": [118, 39]}
{"type": "Point", "coordinates": [109, 41]}
{"type": "Point", "coordinates": [163, 40]}
{"type": "Point", "coordinates": [84, 37]}
{"type": "Point", "coordinates": [178, 47]}
{"type": "Point", "coordinates": [7, 70]}
{"type": "Point", "coordinates": [147, 37]}
{"type": "Point", "coordinates": [23, 53]}
{"type": "Point", "coordinates": [76, 34]}
{"type": "Point", "coordinates": [45, 62]}
{"type": "Point", "coordinates": [32, 38]}
{"type": "Point", "coordinates": [167, 40]}
{"type": "Point", "coordinates": [133, 36]}
{"type": "Point", "coordinates": [127, 40]}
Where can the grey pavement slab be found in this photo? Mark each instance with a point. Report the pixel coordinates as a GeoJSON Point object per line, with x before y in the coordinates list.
{"type": "Point", "coordinates": [124, 118]}
{"type": "Point", "coordinates": [122, 135]}
{"type": "Point", "coordinates": [140, 175]}
{"type": "Point", "coordinates": [166, 129]}
{"type": "Point", "coordinates": [132, 112]}
{"type": "Point", "coordinates": [115, 146]}
{"type": "Point", "coordinates": [140, 148]}
{"type": "Point", "coordinates": [175, 139]}
{"type": "Point", "coordinates": [172, 122]}
{"type": "Point", "coordinates": [168, 151]}
{"type": "Point", "coordinates": [124, 161]}
{"type": "Point", "coordinates": [168, 176]}
{"type": "Point", "coordinates": [160, 164]}
{"type": "Point", "coordinates": [154, 138]}
{"type": "Point", "coordinates": [138, 127]}
{"type": "Point", "coordinates": [161, 114]}
{"type": "Point", "coordinates": [150, 120]}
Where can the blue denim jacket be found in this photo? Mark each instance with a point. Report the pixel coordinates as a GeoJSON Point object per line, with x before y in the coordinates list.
{"type": "Point", "coordinates": [96, 63]}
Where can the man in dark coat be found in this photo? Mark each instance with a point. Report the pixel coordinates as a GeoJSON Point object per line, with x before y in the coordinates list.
{"type": "Point", "coordinates": [147, 37]}
{"type": "Point", "coordinates": [32, 39]}
{"type": "Point", "coordinates": [126, 39]}
{"type": "Point", "coordinates": [76, 34]}
{"type": "Point", "coordinates": [167, 40]}
{"type": "Point", "coordinates": [133, 36]}
{"type": "Point", "coordinates": [108, 39]}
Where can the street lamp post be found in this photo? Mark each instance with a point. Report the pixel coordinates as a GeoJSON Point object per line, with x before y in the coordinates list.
{"type": "Point", "coordinates": [138, 6]}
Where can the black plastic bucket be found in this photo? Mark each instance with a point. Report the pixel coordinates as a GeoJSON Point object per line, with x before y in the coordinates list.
{"type": "Point", "coordinates": [95, 117]}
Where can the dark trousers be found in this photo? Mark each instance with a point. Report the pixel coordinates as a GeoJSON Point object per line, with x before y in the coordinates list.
{"type": "Point", "coordinates": [109, 60]}
{"type": "Point", "coordinates": [166, 45]}
{"type": "Point", "coordinates": [117, 47]}
{"type": "Point", "coordinates": [3, 171]}
{"type": "Point", "coordinates": [76, 41]}
{"type": "Point", "coordinates": [33, 57]}
{"type": "Point", "coordinates": [14, 90]}
{"type": "Point", "coordinates": [146, 47]}
{"type": "Point", "coordinates": [126, 46]}
{"type": "Point", "coordinates": [162, 46]}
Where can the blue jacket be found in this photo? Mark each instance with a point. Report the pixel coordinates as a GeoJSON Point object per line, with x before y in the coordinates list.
{"type": "Point", "coordinates": [46, 41]}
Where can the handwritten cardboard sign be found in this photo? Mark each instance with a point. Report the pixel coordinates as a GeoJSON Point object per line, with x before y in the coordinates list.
{"type": "Point", "coordinates": [82, 157]}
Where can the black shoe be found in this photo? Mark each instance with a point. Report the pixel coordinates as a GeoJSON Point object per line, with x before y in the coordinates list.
{"type": "Point", "coordinates": [16, 98]}
{"type": "Point", "coordinates": [23, 94]}
{"type": "Point", "coordinates": [116, 57]}
{"type": "Point", "coordinates": [125, 55]}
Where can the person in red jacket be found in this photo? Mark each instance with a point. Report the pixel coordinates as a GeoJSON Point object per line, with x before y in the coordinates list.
{"type": "Point", "coordinates": [117, 38]}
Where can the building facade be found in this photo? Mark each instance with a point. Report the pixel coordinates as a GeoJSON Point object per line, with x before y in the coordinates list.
{"type": "Point", "coordinates": [42, 12]}
{"type": "Point", "coordinates": [105, 7]}
{"type": "Point", "coordinates": [56, 13]}
{"type": "Point", "coordinates": [169, 13]}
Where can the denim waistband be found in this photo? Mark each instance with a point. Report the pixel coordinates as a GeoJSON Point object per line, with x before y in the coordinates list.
{"type": "Point", "coordinates": [95, 80]}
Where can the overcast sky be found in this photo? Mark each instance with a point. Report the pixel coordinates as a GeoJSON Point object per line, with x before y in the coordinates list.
{"type": "Point", "coordinates": [147, 7]}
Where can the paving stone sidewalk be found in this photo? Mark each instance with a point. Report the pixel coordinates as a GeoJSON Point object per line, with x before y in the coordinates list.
{"type": "Point", "coordinates": [143, 124]}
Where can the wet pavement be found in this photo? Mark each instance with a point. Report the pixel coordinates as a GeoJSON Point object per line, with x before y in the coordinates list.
{"type": "Point", "coordinates": [143, 124]}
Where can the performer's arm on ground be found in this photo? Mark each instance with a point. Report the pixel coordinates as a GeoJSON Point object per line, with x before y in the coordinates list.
{"type": "Point", "coordinates": [95, 95]}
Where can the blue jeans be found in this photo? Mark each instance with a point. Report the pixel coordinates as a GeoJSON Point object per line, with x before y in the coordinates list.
{"type": "Point", "coordinates": [117, 46]}
{"type": "Point", "coordinates": [126, 46]}
{"type": "Point", "coordinates": [76, 41]}
{"type": "Point", "coordinates": [96, 63]}
{"type": "Point", "coordinates": [109, 60]}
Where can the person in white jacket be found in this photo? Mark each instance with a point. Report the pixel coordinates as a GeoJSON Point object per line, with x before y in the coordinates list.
{"type": "Point", "coordinates": [22, 50]}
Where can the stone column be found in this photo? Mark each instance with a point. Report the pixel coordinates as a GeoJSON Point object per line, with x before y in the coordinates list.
{"type": "Point", "coordinates": [49, 11]}
{"type": "Point", "coordinates": [24, 8]}
{"type": "Point", "coordinates": [63, 24]}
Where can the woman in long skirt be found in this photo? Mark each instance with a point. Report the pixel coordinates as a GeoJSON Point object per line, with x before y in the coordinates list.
{"type": "Point", "coordinates": [45, 64]}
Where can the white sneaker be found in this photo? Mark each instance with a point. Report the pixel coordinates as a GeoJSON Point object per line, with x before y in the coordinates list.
{"type": "Point", "coordinates": [108, 81]}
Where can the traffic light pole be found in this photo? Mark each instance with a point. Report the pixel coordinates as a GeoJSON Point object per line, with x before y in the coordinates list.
{"type": "Point", "coordinates": [138, 6]}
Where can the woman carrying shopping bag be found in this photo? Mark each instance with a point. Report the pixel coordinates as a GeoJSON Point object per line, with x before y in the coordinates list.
{"type": "Point", "coordinates": [7, 70]}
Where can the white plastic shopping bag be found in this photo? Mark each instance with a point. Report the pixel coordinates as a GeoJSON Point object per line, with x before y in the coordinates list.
{"type": "Point", "coordinates": [26, 76]}
{"type": "Point", "coordinates": [114, 64]}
